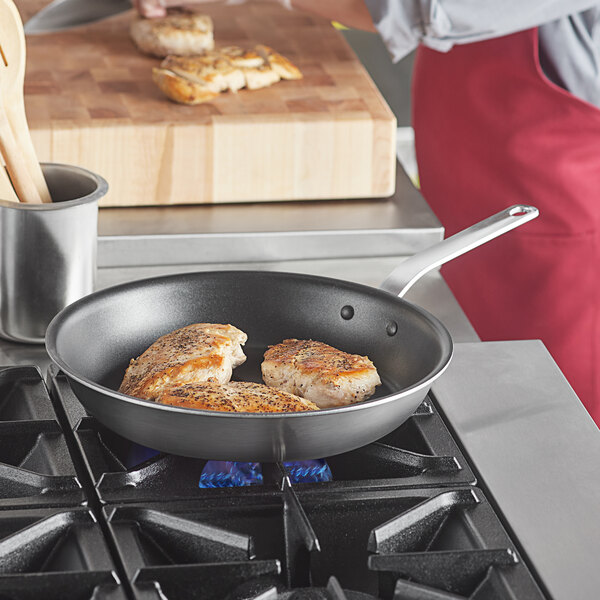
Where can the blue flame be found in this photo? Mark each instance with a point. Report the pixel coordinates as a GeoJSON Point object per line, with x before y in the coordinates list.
{"type": "Point", "coordinates": [219, 473]}
{"type": "Point", "coordinates": [138, 454]}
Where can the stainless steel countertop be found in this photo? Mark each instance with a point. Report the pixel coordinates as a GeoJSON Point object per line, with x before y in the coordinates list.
{"type": "Point", "coordinates": [538, 451]}
{"type": "Point", "coordinates": [275, 231]}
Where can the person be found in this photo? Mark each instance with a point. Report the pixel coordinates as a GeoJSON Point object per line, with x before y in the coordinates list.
{"type": "Point", "coordinates": [506, 110]}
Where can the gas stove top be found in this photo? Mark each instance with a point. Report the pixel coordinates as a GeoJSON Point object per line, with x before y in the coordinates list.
{"type": "Point", "coordinates": [85, 514]}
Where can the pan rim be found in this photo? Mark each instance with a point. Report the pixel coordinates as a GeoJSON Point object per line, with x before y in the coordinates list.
{"type": "Point", "coordinates": [434, 322]}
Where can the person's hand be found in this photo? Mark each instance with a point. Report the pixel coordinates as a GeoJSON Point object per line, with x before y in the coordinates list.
{"type": "Point", "coordinates": [150, 8]}
{"type": "Point", "coordinates": [158, 8]}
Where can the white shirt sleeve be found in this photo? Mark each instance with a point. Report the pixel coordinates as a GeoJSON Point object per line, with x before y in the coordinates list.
{"type": "Point", "coordinates": [440, 24]}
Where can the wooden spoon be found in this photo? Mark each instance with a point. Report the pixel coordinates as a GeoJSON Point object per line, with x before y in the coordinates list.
{"type": "Point", "coordinates": [7, 192]}
{"type": "Point", "coordinates": [24, 169]}
{"type": "Point", "coordinates": [15, 162]}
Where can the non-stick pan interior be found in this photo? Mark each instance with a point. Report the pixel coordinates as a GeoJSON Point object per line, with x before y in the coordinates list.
{"type": "Point", "coordinates": [96, 337]}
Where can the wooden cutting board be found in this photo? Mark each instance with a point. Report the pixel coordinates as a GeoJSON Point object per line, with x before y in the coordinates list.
{"type": "Point", "coordinates": [90, 101]}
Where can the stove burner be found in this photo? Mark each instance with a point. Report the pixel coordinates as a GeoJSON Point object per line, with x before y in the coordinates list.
{"type": "Point", "coordinates": [138, 454]}
{"type": "Point", "coordinates": [420, 453]}
{"type": "Point", "coordinates": [219, 473]}
{"type": "Point", "coordinates": [308, 471]}
{"type": "Point", "coordinates": [333, 591]}
{"type": "Point", "coordinates": [225, 473]}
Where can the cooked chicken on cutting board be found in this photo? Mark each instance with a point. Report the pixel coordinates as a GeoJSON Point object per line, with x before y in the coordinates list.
{"type": "Point", "coordinates": [320, 373]}
{"type": "Point", "coordinates": [210, 70]}
{"type": "Point", "coordinates": [279, 63]}
{"type": "Point", "coordinates": [235, 396]}
{"type": "Point", "coordinates": [180, 34]}
{"type": "Point", "coordinates": [196, 353]}
{"type": "Point", "coordinates": [193, 72]}
{"type": "Point", "coordinates": [196, 79]}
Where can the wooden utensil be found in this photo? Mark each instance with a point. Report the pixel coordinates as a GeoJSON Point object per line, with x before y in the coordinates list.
{"type": "Point", "coordinates": [7, 192]}
{"type": "Point", "coordinates": [15, 140]}
{"type": "Point", "coordinates": [15, 161]}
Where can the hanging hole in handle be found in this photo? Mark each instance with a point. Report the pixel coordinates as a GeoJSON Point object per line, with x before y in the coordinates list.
{"type": "Point", "coordinates": [519, 211]}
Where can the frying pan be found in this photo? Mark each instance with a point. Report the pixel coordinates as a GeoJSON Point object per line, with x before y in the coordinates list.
{"type": "Point", "coordinates": [93, 340]}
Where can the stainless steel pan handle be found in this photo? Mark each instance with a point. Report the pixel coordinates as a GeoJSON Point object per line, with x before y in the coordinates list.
{"type": "Point", "coordinates": [402, 278]}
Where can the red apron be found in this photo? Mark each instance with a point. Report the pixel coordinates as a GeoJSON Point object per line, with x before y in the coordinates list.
{"type": "Point", "coordinates": [491, 131]}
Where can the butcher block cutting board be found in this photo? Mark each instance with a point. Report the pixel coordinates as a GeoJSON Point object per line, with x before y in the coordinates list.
{"type": "Point", "coordinates": [91, 102]}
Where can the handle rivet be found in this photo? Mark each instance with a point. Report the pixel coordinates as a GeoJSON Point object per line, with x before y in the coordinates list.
{"type": "Point", "coordinates": [391, 328]}
{"type": "Point", "coordinates": [347, 312]}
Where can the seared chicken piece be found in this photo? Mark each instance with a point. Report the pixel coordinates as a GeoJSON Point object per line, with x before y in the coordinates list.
{"type": "Point", "coordinates": [201, 78]}
{"type": "Point", "coordinates": [260, 77]}
{"type": "Point", "coordinates": [235, 396]}
{"type": "Point", "coordinates": [196, 353]}
{"type": "Point", "coordinates": [181, 90]}
{"type": "Point", "coordinates": [180, 34]}
{"type": "Point", "coordinates": [318, 372]}
{"type": "Point", "coordinates": [238, 57]}
{"type": "Point", "coordinates": [209, 69]}
{"type": "Point", "coordinates": [280, 64]}
{"type": "Point", "coordinates": [229, 68]}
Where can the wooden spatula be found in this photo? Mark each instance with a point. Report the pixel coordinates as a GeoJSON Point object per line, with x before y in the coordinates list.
{"type": "Point", "coordinates": [24, 169]}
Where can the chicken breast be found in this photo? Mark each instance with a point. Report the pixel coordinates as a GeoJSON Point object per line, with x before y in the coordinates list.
{"type": "Point", "coordinates": [260, 77]}
{"type": "Point", "coordinates": [192, 354]}
{"type": "Point", "coordinates": [320, 373]}
{"type": "Point", "coordinates": [182, 90]}
{"type": "Point", "coordinates": [202, 77]}
{"type": "Point", "coordinates": [280, 64]}
{"type": "Point", "coordinates": [239, 57]}
{"type": "Point", "coordinates": [180, 34]}
{"type": "Point", "coordinates": [235, 396]}
{"type": "Point", "coordinates": [209, 69]}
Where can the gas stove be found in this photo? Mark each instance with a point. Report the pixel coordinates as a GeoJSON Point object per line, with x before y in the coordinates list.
{"type": "Point", "coordinates": [418, 515]}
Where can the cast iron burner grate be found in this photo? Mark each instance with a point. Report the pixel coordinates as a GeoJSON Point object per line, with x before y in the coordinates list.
{"type": "Point", "coordinates": [385, 544]}
{"type": "Point", "coordinates": [55, 554]}
{"type": "Point", "coordinates": [422, 553]}
{"type": "Point", "coordinates": [333, 591]}
{"type": "Point", "coordinates": [35, 465]}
